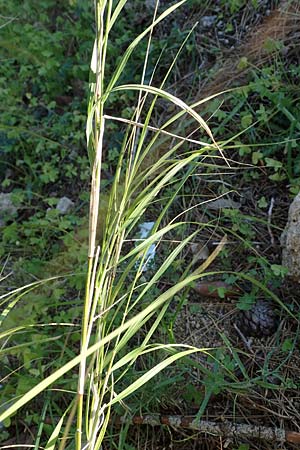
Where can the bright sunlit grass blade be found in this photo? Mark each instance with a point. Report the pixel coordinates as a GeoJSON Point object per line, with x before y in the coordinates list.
{"type": "Point", "coordinates": [171, 98]}
{"type": "Point", "coordinates": [139, 318]}
{"type": "Point", "coordinates": [51, 444]}
{"type": "Point", "coordinates": [150, 374]}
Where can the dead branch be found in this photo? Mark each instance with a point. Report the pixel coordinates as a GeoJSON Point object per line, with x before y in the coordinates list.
{"type": "Point", "coordinates": [222, 429]}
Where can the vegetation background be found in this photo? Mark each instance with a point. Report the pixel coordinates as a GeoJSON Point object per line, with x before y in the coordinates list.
{"type": "Point", "coordinates": [195, 193]}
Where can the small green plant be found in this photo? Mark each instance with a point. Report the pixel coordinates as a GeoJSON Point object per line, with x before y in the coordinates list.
{"type": "Point", "coordinates": [243, 447]}
{"type": "Point", "coordinates": [235, 5]}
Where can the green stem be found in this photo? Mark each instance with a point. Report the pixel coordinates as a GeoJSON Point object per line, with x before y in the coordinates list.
{"type": "Point", "coordinates": [82, 366]}
{"type": "Point", "coordinates": [93, 219]}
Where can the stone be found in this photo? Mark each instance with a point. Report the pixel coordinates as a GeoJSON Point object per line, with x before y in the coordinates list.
{"type": "Point", "coordinates": [290, 241]}
{"type": "Point", "coordinates": [207, 21]}
{"type": "Point", "coordinates": [222, 203]}
{"type": "Point", "coordinates": [64, 205]}
{"type": "Point", "coordinates": [7, 209]}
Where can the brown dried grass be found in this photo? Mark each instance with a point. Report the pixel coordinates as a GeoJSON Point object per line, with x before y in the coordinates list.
{"type": "Point", "coordinates": [283, 25]}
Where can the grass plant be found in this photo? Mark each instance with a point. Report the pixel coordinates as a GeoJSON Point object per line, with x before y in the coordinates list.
{"type": "Point", "coordinates": [73, 362]}
{"type": "Point", "coordinates": [119, 303]}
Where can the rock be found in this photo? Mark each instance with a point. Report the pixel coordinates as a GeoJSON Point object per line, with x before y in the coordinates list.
{"type": "Point", "coordinates": [64, 205]}
{"type": "Point", "coordinates": [7, 209]}
{"type": "Point", "coordinates": [207, 21]}
{"type": "Point", "coordinates": [200, 252]}
{"type": "Point", "coordinates": [290, 241]}
{"type": "Point", "coordinates": [222, 203]}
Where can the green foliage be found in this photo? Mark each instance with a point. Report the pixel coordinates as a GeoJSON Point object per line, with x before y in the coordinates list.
{"type": "Point", "coordinates": [43, 78]}
{"type": "Point", "coordinates": [236, 5]}
{"type": "Point", "coordinates": [267, 109]}
{"type": "Point", "coordinates": [43, 89]}
{"type": "Point", "coordinates": [243, 447]}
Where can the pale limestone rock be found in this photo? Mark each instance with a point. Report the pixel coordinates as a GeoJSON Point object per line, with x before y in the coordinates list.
{"type": "Point", "coordinates": [7, 209]}
{"type": "Point", "coordinates": [208, 21]}
{"type": "Point", "coordinates": [64, 205]}
{"type": "Point", "coordinates": [290, 241]}
{"type": "Point", "coordinates": [222, 203]}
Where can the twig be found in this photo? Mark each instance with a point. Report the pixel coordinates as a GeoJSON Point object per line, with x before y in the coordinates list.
{"type": "Point", "coordinates": [246, 341]}
{"type": "Point", "coordinates": [155, 129]}
{"type": "Point", "coordinates": [222, 429]}
{"type": "Point", "coordinates": [269, 220]}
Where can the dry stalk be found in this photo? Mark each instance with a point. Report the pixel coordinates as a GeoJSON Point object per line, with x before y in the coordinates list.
{"type": "Point", "coordinates": [222, 429]}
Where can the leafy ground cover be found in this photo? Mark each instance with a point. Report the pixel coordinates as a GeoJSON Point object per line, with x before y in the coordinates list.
{"type": "Point", "coordinates": [44, 80]}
